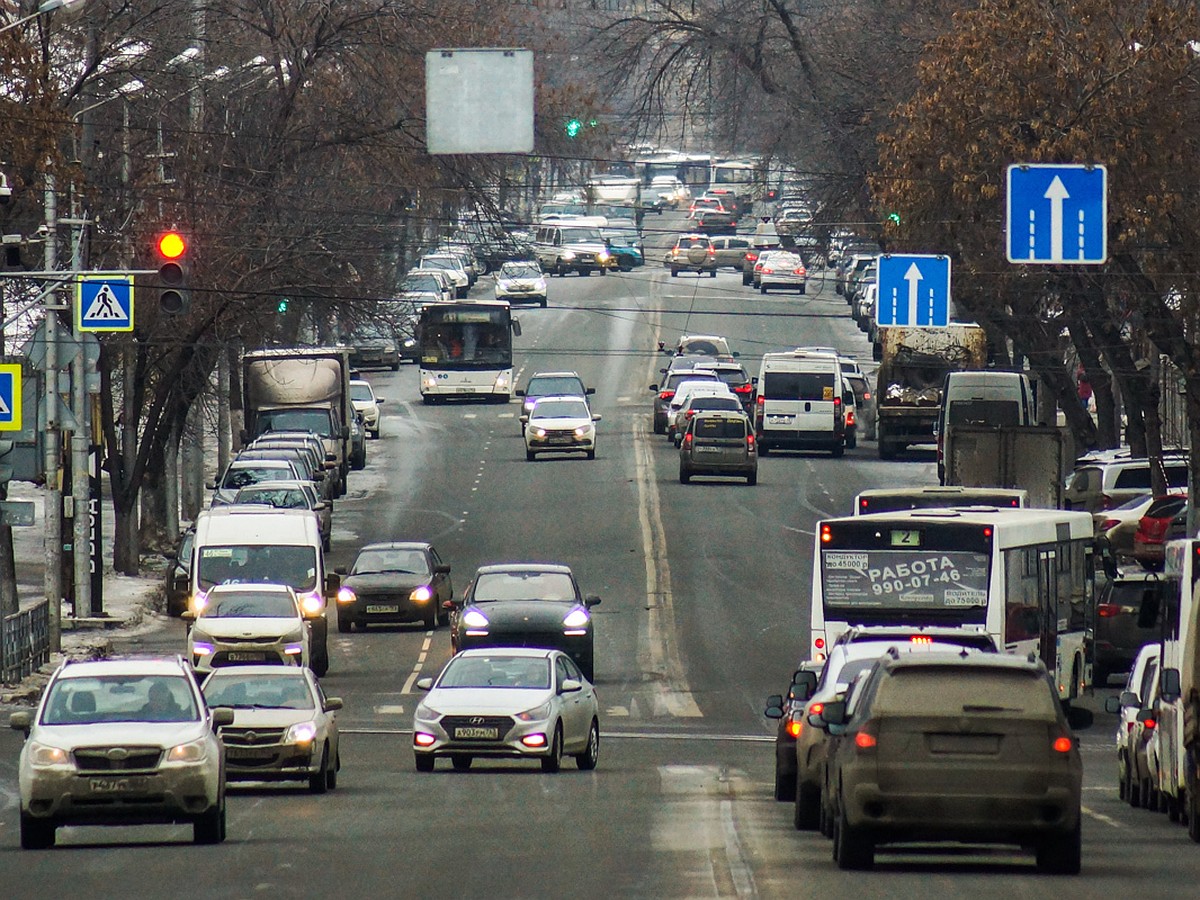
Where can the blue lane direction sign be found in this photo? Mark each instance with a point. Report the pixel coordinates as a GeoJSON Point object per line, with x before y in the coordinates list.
{"type": "Point", "coordinates": [104, 301]}
{"type": "Point", "coordinates": [10, 397]}
{"type": "Point", "coordinates": [1057, 214]}
{"type": "Point", "coordinates": [914, 290]}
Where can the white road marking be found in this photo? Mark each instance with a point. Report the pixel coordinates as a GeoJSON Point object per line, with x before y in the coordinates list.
{"type": "Point", "coordinates": [797, 530]}
{"type": "Point", "coordinates": [616, 711]}
{"type": "Point", "coordinates": [390, 710]}
{"type": "Point", "coordinates": [506, 416]}
{"type": "Point", "coordinates": [416, 672]}
{"type": "Point", "coordinates": [1100, 817]}
{"type": "Point", "coordinates": [469, 415]}
{"type": "Point", "coordinates": [739, 871]}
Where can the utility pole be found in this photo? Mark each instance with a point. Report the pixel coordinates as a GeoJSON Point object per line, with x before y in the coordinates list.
{"type": "Point", "coordinates": [53, 505]}
{"type": "Point", "coordinates": [81, 533]}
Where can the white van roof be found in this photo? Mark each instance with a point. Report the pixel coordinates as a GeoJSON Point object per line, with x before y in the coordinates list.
{"type": "Point", "coordinates": [798, 359]}
{"type": "Point", "coordinates": [256, 525]}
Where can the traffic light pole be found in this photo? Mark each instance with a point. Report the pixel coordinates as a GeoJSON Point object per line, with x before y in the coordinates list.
{"type": "Point", "coordinates": [81, 492]}
{"type": "Point", "coordinates": [53, 506]}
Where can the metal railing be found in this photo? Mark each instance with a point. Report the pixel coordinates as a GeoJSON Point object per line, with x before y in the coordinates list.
{"type": "Point", "coordinates": [24, 642]}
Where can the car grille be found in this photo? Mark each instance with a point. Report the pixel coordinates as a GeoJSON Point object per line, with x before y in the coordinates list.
{"type": "Point", "coordinates": [503, 724]}
{"type": "Point", "coordinates": [251, 737]}
{"type": "Point", "coordinates": [261, 639]}
{"type": "Point", "coordinates": [116, 759]}
{"type": "Point", "coordinates": [560, 432]}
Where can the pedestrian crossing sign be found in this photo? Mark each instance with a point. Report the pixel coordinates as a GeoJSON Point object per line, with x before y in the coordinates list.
{"type": "Point", "coordinates": [10, 397]}
{"type": "Point", "coordinates": [104, 301]}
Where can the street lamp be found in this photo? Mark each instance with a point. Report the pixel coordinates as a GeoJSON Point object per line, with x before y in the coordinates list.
{"type": "Point", "coordinates": [46, 6]}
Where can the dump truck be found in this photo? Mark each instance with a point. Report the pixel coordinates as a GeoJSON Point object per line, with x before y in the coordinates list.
{"type": "Point", "coordinates": [301, 389]}
{"type": "Point", "coordinates": [913, 363]}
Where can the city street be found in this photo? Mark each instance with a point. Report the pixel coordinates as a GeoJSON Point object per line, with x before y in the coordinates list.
{"type": "Point", "coordinates": [705, 591]}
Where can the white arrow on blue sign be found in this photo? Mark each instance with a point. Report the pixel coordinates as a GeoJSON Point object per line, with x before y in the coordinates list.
{"type": "Point", "coordinates": [104, 301]}
{"type": "Point", "coordinates": [914, 290]}
{"type": "Point", "coordinates": [1057, 214]}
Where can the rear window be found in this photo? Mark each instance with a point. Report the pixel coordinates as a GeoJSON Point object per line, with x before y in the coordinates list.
{"type": "Point", "coordinates": [985, 412]}
{"type": "Point", "coordinates": [1139, 477]}
{"type": "Point", "coordinates": [720, 428]}
{"type": "Point", "coordinates": [1164, 507]}
{"type": "Point", "coordinates": [955, 691]}
{"type": "Point", "coordinates": [729, 403]}
{"type": "Point", "coordinates": [675, 378]}
{"type": "Point", "coordinates": [798, 386]}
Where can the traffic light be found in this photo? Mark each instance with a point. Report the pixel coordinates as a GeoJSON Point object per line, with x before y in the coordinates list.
{"type": "Point", "coordinates": [894, 218]}
{"type": "Point", "coordinates": [174, 296]}
{"type": "Point", "coordinates": [574, 126]}
{"type": "Point", "coordinates": [282, 306]}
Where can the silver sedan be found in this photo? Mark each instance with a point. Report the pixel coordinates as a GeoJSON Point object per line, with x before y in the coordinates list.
{"type": "Point", "coordinates": [513, 702]}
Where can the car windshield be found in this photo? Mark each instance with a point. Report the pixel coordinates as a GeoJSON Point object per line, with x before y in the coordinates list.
{"type": "Point", "coordinates": [422, 283]}
{"type": "Point", "coordinates": [279, 498]}
{"type": "Point", "coordinates": [119, 698]}
{"type": "Point", "coordinates": [441, 262]}
{"type": "Point", "coordinates": [545, 386]}
{"type": "Point", "coordinates": [582, 235]}
{"type": "Point", "coordinates": [560, 409]}
{"type": "Point", "coordinates": [317, 421]}
{"type": "Point", "coordinates": [496, 672]}
{"type": "Point", "coordinates": [520, 270]}
{"type": "Point", "coordinates": [490, 586]}
{"type": "Point", "coordinates": [250, 605]}
{"type": "Point", "coordinates": [228, 688]}
{"type": "Point", "coordinates": [242, 476]}
{"type": "Point", "coordinates": [406, 562]}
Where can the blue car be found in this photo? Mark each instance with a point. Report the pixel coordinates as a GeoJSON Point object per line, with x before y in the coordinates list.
{"type": "Point", "coordinates": [627, 251]}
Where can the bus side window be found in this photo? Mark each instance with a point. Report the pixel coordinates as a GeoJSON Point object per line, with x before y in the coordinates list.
{"type": "Point", "coordinates": [1021, 616]}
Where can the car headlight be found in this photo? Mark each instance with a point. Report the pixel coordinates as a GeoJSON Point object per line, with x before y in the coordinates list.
{"type": "Point", "coordinates": [312, 603]}
{"type": "Point", "coordinates": [582, 431]}
{"type": "Point", "coordinates": [421, 594]}
{"type": "Point", "coordinates": [539, 432]}
{"type": "Point", "coordinates": [427, 713]}
{"type": "Point", "coordinates": [603, 255]}
{"type": "Point", "coordinates": [473, 618]}
{"type": "Point", "coordinates": [191, 752]}
{"type": "Point", "coordinates": [576, 618]}
{"type": "Point", "coordinates": [568, 254]}
{"type": "Point", "coordinates": [409, 344]}
{"type": "Point", "coordinates": [537, 714]}
{"type": "Point", "coordinates": [301, 733]}
{"type": "Point", "coordinates": [346, 595]}
{"type": "Point", "coordinates": [43, 756]}
{"type": "Point", "coordinates": [502, 381]}
{"type": "Point", "coordinates": [389, 348]}
{"type": "Point", "coordinates": [201, 648]}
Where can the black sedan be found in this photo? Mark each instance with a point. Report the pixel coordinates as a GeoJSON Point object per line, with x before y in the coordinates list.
{"type": "Point", "coordinates": [526, 605]}
{"type": "Point", "coordinates": [398, 581]}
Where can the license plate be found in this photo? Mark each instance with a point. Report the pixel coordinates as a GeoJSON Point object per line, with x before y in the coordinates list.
{"type": "Point", "coordinates": [779, 420]}
{"type": "Point", "coordinates": [377, 608]}
{"type": "Point", "coordinates": [116, 785]}
{"type": "Point", "coordinates": [478, 734]}
{"type": "Point", "coordinates": [708, 449]}
{"type": "Point", "coordinates": [558, 440]}
{"type": "Point", "coordinates": [249, 752]}
{"type": "Point", "coordinates": [246, 657]}
{"type": "Point", "coordinates": [465, 390]}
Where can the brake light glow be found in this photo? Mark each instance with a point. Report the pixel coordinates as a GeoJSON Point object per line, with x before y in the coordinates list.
{"type": "Point", "coordinates": [665, 395]}
{"type": "Point", "coordinates": [987, 532]}
{"type": "Point", "coordinates": [799, 271]}
{"type": "Point", "coordinates": [762, 401]}
{"type": "Point", "coordinates": [819, 643]}
{"type": "Point", "coordinates": [865, 741]}
{"type": "Point", "coordinates": [1063, 744]}
{"type": "Point", "coordinates": [816, 708]}
{"type": "Point", "coordinates": [850, 417]}
{"type": "Point", "coordinates": [1107, 610]}
{"type": "Point", "coordinates": [743, 388]}
{"type": "Point", "coordinates": [826, 534]}
{"type": "Point", "coordinates": [749, 440]}
{"type": "Point", "coordinates": [794, 727]}
{"type": "Point", "coordinates": [866, 395]}
{"type": "Point", "coordinates": [920, 639]}
{"type": "Point", "coordinates": [1149, 725]}
{"type": "Point", "coordinates": [687, 440]}
{"type": "Point", "coordinates": [767, 270]}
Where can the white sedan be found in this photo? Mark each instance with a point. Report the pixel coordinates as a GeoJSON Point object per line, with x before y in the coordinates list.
{"type": "Point", "coordinates": [248, 623]}
{"type": "Point", "coordinates": [366, 404]}
{"type": "Point", "coordinates": [521, 282]}
{"type": "Point", "coordinates": [560, 424]}
{"type": "Point", "coordinates": [781, 269]}
{"type": "Point", "coordinates": [514, 702]}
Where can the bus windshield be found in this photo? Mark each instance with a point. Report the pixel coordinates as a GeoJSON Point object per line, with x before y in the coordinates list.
{"type": "Point", "coordinates": [465, 338]}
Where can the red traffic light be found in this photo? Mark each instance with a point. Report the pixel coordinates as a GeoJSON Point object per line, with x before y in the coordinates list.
{"type": "Point", "coordinates": [171, 245]}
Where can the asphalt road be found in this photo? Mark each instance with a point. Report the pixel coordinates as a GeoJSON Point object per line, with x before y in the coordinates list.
{"type": "Point", "coordinates": [705, 590]}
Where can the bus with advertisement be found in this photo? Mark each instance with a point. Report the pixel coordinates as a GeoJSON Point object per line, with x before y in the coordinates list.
{"type": "Point", "coordinates": [465, 350]}
{"type": "Point", "coordinates": [1023, 576]}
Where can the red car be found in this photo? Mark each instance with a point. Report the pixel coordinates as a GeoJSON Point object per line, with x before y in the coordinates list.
{"type": "Point", "coordinates": [1165, 519]}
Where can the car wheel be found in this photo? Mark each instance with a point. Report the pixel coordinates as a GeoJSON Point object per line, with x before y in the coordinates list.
{"type": "Point", "coordinates": [1123, 781]}
{"type": "Point", "coordinates": [838, 452]}
{"type": "Point", "coordinates": [1062, 854]}
{"type": "Point", "coordinates": [424, 761]}
{"type": "Point", "coordinates": [591, 752]}
{"type": "Point", "coordinates": [530, 456]}
{"type": "Point", "coordinates": [802, 287]}
{"type": "Point", "coordinates": [331, 774]}
{"type": "Point", "coordinates": [851, 443]}
{"type": "Point", "coordinates": [678, 442]}
{"type": "Point", "coordinates": [855, 847]}
{"type": "Point", "coordinates": [443, 616]}
{"type": "Point", "coordinates": [674, 273]}
{"type": "Point", "coordinates": [431, 618]}
{"type": "Point", "coordinates": [319, 783]}
{"type": "Point", "coordinates": [762, 288]}
{"type": "Point", "coordinates": [604, 271]}
{"type": "Point", "coordinates": [345, 624]}
{"type": "Point", "coordinates": [461, 761]}
{"type": "Point", "coordinates": [712, 273]}
{"type": "Point", "coordinates": [591, 454]}
{"type": "Point", "coordinates": [209, 827]}
{"type": "Point", "coordinates": [752, 479]}
{"type": "Point", "coordinates": [785, 785]}
{"type": "Point", "coordinates": [553, 762]}
{"type": "Point", "coordinates": [543, 303]}
{"type": "Point", "coordinates": [396, 366]}
{"type": "Point", "coordinates": [806, 814]}
{"type": "Point", "coordinates": [685, 476]}
{"type": "Point", "coordinates": [1193, 810]}
{"type": "Point", "coordinates": [746, 280]}
{"type": "Point", "coordinates": [36, 834]}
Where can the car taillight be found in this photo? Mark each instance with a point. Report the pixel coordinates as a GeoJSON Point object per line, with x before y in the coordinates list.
{"type": "Point", "coordinates": [815, 709]}
{"type": "Point", "coordinates": [767, 270]}
{"type": "Point", "coordinates": [1063, 744]}
{"type": "Point", "coordinates": [712, 251]}
{"type": "Point", "coordinates": [749, 441]}
{"type": "Point", "coordinates": [920, 639]}
{"type": "Point", "coordinates": [819, 643]}
{"type": "Point", "coordinates": [744, 388]}
{"type": "Point", "coordinates": [866, 395]}
{"type": "Point", "coordinates": [687, 440]}
{"type": "Point", "coordinates": [1149, 725]}
{"type": "Point", "coordinates": [1105, 501]}
{"type": "Point", "coordinates": [800, 271]}
{"type": "Point", "coordinates": [1107, 610]}
{"type": "Point", "coordinates": [762, 401]}
{"type": "Point", "coordinates": [849, 416]}
{"type": "Point", "coordinates": [665, 395]}
{"type": "Point", "coordinates": [1109, 523]}
{"type": "Point", "coordinates": [688, 413]}
{"type": "Point", "coordinates": [794, 726]}
{"type": "Point", "coordinates": [864, 740]}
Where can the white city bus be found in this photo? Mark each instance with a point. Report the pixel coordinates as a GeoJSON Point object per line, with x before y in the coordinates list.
{"type": "Point", "coordinates": [746, 179]}
{"type": "Point", "coordinates": [1025, 576]}
{"type": "Point", "coordinates": [465, 350]}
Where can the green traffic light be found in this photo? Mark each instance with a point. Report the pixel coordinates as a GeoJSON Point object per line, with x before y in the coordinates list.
{"type": "Point", "coordinates": [282, 305]}
{"type": "Point", "coordinates": [894, 218]}
{"type": "Point", "coordinates": [574, 126]}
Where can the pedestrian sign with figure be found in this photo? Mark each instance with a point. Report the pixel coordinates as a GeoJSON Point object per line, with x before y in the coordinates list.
{"type": "Point", "coordinates": [104, 301]}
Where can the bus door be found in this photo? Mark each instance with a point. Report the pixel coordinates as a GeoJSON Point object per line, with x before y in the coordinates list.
{"type": "Point", "coordinates": [1048, 609]}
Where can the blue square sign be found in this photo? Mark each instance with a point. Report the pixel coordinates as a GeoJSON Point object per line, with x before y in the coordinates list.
{"type": "Point", "coordinates": [914, 290]}
{"type": "Point", "coordinates": [1057, 214]}
{"type": "Point", "coordinates": [104, 301]}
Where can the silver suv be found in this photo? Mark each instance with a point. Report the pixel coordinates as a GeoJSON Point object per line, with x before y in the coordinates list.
{"type": "Point", "coordinates": [121, 742]}
{"type": "Point", "coordinates": [1106, 480]}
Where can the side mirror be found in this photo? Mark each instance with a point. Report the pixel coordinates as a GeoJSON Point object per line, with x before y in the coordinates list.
{"type": "Point", "coordinates": [774, 711]}
{"type": "Point", "coordinates": [443, 569]}
{"type": "Point", "coordinates": [664, 371]}
{"type": "Point", "coordinates": [1168, 685]}
{"type": "Point", "coordinates": [804, 683]}
{"type": "Point", "coordinates": [570, 686]}
{"type": "Point", "coordinates": [380, 401]}
{"type": "Point", "coordinates": [170, 554]}
{"type": "Point", "coordinates": [834, 713]}
{"type": "Point", "coordinates": [736, 355]}
{"type": "Point", "coordinates": [1079, 718]}
{"type": "Point", "coordinates": [424, 684]}
{"type": "Point", "coordinates": [516, 327]}
{"type": "Point", "coordinates": [653, 387]}
{"type": "Point", "coordinates": [181, 582]}
{"type": "Point", "coordinates": [524, 420]}
{"type": "Point", "coordinates": [222, 716]}
{"type": "Point", "coordinates": [596, 417]}
{"type": "Point", "coordinates": [210, 485]}
{"type": "Point", "coordinates": [591, 600]}
{"type": "Point", "coordinates": [754, 379]}
{"type": "Point", "coordinates": [188, 615]}
{"type": "Point", "coordinates": [320, 505]}
{"type": "Point", "coordinates": [1129, 698]}
{"type": "Point", "coordinates": [21, 721]}
{"type": "Point", "coordinates": [332, 704]}
{"type": "Point", "coordinates": [589, 391]}
{"type": "Point", "coordinates": [333, 583]}
{"type": "Point", "coordinates": [518, 393]}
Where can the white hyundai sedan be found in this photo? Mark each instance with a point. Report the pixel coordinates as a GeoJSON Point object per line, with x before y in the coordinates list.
{"type": "Point", "coordinates": [560, 424]}
{"type": "Point", "coordinates": [248, 623]}
{"type": "Point", "coordinates": [513, 702]}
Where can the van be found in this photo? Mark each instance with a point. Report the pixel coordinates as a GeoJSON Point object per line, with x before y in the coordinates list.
{"type": "Point", "coordinates": [572, 247]}
{"type": "Point", "coordinates": [253, 545]}
{"type": "Point", "coordinates": [799, 403]}
{"type": "Point", "coordinates": [981, 398]}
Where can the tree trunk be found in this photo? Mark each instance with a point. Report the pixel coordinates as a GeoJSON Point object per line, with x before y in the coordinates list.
{"type": "Point", "coordinates": [9, 602]}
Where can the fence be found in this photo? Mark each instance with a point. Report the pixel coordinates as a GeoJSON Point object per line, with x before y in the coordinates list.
{"type": "Point", "coordinates": [24, 642]}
